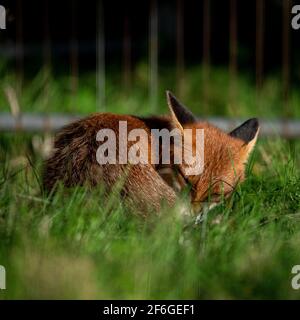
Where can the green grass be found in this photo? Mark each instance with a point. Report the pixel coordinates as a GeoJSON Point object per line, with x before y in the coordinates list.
{"type": "Point", "coordinates": [46, 93]}
{"type": "Point", "coordinates": [80, 246]}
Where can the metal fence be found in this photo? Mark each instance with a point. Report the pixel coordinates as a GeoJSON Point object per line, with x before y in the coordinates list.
{"type": "Point", "coordinates": [34, 122]}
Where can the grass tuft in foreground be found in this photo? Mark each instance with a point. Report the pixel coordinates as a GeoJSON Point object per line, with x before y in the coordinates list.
{"type": "Point", "coordinates": [79, 245]}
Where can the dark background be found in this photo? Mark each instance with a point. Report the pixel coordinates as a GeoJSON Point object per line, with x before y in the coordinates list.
{"type": "Point", "coordinates": [58, 21]}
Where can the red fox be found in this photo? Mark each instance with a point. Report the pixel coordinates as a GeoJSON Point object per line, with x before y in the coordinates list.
{"type": "Point", "coordinates": [147, 185]}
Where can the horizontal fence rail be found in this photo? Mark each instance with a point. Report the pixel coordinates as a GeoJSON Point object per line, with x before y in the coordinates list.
{"type": "Point", "coordinates": [42, 123]}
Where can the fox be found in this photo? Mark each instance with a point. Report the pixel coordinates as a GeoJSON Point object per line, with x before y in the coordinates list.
{"type": "Point", "coordinates": [148, 187]}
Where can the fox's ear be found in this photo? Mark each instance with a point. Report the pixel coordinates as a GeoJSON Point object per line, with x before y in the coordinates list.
{"type": "Point", "coordinates": [180, 114]}
{"type": "Point", "coordinates": [248, 132]}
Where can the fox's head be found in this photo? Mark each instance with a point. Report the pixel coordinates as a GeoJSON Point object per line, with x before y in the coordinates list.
{"type": "Point", "coordinates": [225, 156]}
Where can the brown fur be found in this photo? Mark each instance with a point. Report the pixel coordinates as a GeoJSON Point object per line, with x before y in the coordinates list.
{"type": "Point", "coordinates": [73, 161]}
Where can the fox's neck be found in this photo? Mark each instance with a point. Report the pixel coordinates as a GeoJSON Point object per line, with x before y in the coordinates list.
{"type": "Point", "coordinates": [157, 122]}
{"type": "Point", "coordinates": [160, 122]}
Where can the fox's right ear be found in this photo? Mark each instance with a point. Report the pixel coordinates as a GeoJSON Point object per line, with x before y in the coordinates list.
{"type": "Point", "coordinates": [180, 114]}
{"type": "Point", "coordinates": [247, 132]}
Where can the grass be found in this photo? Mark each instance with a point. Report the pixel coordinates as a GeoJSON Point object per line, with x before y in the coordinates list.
{"type": "Point", "coordinates": [79, 246]}
{"type": "Point", "coordinates": [46, 93]}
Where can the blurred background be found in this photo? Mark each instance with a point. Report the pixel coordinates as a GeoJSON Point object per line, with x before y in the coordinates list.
{"type": "Point", "coordinates": [226, 59]}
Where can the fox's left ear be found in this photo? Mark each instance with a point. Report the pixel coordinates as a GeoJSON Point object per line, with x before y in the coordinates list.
{"type": "Point", "coordinates": [181, 115]}
{"type": "Point", "coordinates": [248, 132]}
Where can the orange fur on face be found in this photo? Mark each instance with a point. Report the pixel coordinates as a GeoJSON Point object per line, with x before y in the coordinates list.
{"type": "Point", "coordinates": [225, 155]}
{"type": "Point", "coordinates": [224, 164]}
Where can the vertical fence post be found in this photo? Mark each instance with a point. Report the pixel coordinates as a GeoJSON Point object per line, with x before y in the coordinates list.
{"type": "Point", "coordinates": [259, 47]}
{"type": "Point", "coordinates": [232, 53]}
{"type": "Point", "coordinates": [206, 53]}
{"type": "Point", "coordinates": [126, 54]}
{"type": "Point", "coordinates": [180, 48]}
{"type": "Point", "coordinates": [100, 81]}
{"type": "Point", "coordinates": [153, 55]}
{"type": "Point", "coordinates": [47, 52]}
{"type": "Point", "coordinates": [19, 47]}
{"type": "Point", "coordinates": [74, 52]}
{"type": "Point", "coordinates": [286, 56]}
{"type": "Point", "coordinates": [287, 112]}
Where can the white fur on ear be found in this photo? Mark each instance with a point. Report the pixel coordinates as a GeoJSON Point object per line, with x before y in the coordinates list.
{"type": "Point", "coordinates": [175, 120]}
{"type": "Point", "coordinates": [248, 148]}
{"type": "Point", "coordinates": [251, 144]}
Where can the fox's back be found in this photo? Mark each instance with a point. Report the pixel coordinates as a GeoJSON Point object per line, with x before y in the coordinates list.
{"type": "Point", "coordinates": [74, 157]}
{"type": "Point", "coordinates": [74, 161]}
